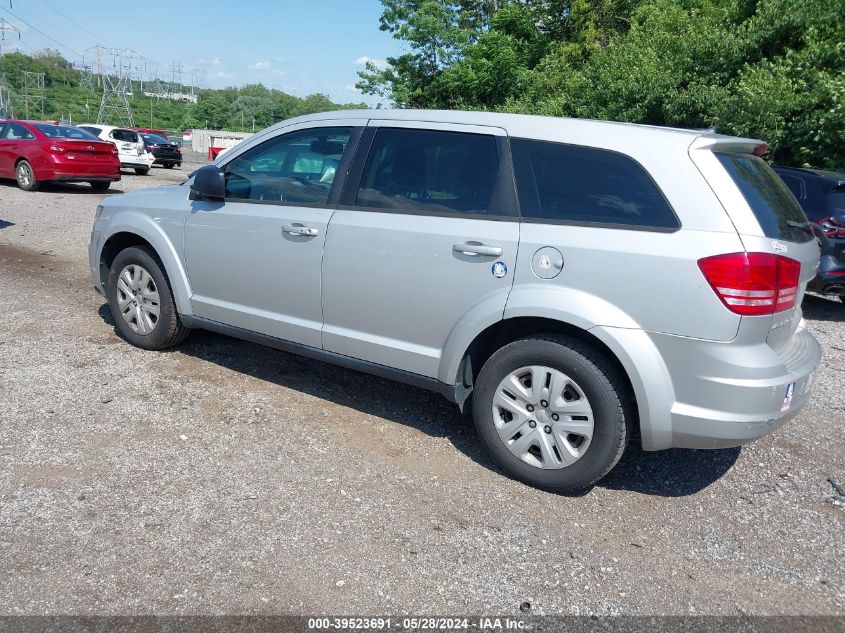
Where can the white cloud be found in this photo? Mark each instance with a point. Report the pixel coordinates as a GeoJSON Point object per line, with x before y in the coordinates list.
{"type": "Point", "coordinates": [351, 88]}
{"type": "Point", "coordinates": [364, 59]}
{"type": "Point", "coordinates": [278, 71]}
{"type": "Point", "coordinates": [221, 74]}
{"type": "Point", "coordinates": [214, 61]}
{"type": "Point", "coordinates": [261, 66]}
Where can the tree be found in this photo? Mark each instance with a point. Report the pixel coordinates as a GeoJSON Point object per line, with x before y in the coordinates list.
{"type": "Point", "coordinates": [770, 69]}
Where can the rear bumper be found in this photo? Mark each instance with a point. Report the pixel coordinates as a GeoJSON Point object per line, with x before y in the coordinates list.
{"type": "Point", "coordinates": [693, 393]}
{"type": "Point", "coordinates": [85, 178]}
{"type": "Point", "coordinates": [161, 160]}
{"type": "Point", "coordinates": [831, 277]}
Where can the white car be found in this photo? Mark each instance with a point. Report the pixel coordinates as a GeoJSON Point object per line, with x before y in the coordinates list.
{"type": "Point", "coordinates": [130, 146]}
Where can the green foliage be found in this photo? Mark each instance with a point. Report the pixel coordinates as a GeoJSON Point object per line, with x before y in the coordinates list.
{"type": "Point", "coordinates": [770, 69]}
{"type": "Point", "coordinates": [228, 108]}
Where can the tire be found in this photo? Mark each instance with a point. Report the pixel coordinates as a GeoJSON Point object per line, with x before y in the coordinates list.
{"type": "Point", "coordinates": [142, 171]}
{"type": "Point", "coordinates": [591, 377]}
{"type": "Point", "coordinates": [842, 298]}
{"type": "Point", "coordinates": [169, 165]}
{"type": "Point", "coordinates": [167, 329]}
{"type": "Point", "coordinates": [25, 176]}
{"type": "Point", "coordinates": [100, 185]}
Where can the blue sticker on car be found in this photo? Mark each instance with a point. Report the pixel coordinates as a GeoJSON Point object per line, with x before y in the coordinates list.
{"type": "Point", "coordinates": [500, 269]}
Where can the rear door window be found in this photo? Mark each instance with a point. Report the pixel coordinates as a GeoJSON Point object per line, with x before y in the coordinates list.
{"type": "Point", "coordinates": [17, 132]}
{"type": "Point", "coordinates": [776, 209]}
{"type": "Point", "coordinates": [571, 184]}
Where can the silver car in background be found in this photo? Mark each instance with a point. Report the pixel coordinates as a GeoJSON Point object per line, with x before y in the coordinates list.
{"type": "Point", "coordinates": [568, 282]}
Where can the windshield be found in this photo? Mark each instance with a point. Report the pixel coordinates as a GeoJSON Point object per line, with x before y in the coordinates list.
{"type": "Point", "coordinates": [776, 209]}
{"type": "Point", "coordinates": [64, 131]}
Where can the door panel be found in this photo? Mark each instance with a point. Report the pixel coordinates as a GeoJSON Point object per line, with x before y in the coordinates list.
{"type": "Point", "coordinates": [429, 233]}
{"type": "Point", "coordinates": [394, 287]}
{"type": "Point", "coordinates": [254, 260]}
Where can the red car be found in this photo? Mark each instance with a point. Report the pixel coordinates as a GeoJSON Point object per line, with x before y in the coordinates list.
{"type": "Point", "coordinates": [33, 152]}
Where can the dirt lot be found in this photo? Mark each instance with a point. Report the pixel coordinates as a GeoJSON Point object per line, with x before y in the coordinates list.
{"type": "Point", "coordinates": [223, 477]}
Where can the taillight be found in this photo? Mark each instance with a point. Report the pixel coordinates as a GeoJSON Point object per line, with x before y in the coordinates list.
{"type": "Point", "coordinates": [752, 284]}
{"type": "Point", "coordinates": [114, 151]}
{"type": "Point", "coordinates": [56, 148]}
{"type": "Point", "coordinates": [832, 227]}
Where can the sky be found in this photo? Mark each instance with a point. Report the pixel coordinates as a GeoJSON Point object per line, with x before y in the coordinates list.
{"type": "Point", "coordinates": [299, 46]}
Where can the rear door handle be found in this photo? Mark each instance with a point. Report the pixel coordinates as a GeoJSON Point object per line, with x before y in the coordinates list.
{"type": "Point", "coordinates": [477, 248]}
{"type": "Point", "coordinates": [299, 229]}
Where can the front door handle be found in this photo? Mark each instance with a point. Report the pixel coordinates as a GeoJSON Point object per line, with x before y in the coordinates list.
{"type": "Point", "coordinates": [299, 229]}
{"type": "Point", "coordinates": [477, 248]}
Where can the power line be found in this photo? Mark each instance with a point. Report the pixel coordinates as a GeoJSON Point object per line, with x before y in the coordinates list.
{"type": "Point", "coordinates": [77, 24]}
{"type": "Point", "coordinates": [37, 30]}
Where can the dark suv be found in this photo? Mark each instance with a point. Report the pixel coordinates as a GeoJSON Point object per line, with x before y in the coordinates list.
{"type": "Point", "coordinates": [822, 196]}
{"type": "Point", "coordinates": [165, 152]}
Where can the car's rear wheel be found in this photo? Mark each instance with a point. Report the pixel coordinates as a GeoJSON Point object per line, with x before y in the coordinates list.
{"type": "Point", "coordinates": [168, 165]}
{"type": "Point", "coordinates": [141, 301]}
{"type": "Point", "coordinates": [142, 171]}
{"type": "Point", "coordinates": [25, 176]}
{"type": "Point", "coordinates": [552, 411]}
{"type": "Point", "coordinates": [100, 185]}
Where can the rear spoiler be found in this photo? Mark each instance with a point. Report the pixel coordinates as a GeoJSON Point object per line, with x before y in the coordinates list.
{"type": "Point", "coordinates": [729, 144]}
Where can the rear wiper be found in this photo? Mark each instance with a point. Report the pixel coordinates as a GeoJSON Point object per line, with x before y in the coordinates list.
{"type": "Point", "coordinates": [801, 226]}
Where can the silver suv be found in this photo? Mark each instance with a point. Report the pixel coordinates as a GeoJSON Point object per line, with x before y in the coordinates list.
{"type": "Point", "coordinates": [569, 282]}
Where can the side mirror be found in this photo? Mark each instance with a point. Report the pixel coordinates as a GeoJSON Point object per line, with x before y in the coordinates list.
{"type": "Point", "coordinates": [208, 184]}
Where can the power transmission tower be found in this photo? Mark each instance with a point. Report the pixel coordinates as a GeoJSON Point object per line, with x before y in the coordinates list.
{"type": "Point", "coordinates": [5, 89]}
{"type": "Point", "coordinates": [86, 77]}
{"type": "Point", "coordinates": [116, 82]}
{"type": "Point", "coordinates": [153, 80]}
{"type": "Point", "coordinates": [33, 93]}
{"type": "Point", "coordinates": [175, 76]}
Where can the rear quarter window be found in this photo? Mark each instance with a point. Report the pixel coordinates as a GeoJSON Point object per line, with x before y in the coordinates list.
{"type": "Point", "coordinates": [584, 185]}
{"type": "Point", "coordinates": [776, 209]}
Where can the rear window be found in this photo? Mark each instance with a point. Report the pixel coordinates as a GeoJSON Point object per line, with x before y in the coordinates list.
{"type": "Point", "coordinates": [155, 139]}
{"type": "Point", "coordinates": [124, 135]}
{"type": "Point", "coordinates": [64, 131]}
{"type": "Point", "coordinates": [584, 185]}
{"type": "Point", "coordinates": [773, 204]}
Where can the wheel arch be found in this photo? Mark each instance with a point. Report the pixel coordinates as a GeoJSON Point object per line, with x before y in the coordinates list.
{"type": "Point", "coordinates": [629, 351]}
{"type": "Point", "coordinates": [123, 236]}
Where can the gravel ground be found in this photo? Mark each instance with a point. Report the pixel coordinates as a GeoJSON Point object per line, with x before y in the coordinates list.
{"type": "Point", "coordinates": [223, 477]}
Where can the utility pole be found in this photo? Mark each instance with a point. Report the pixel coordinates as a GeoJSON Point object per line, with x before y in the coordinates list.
{"type": "Point", "coordinates": [5, 89]}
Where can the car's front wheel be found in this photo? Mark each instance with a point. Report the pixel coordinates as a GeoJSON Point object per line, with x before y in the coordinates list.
{"type": "Point", "coordinates": [25, 176]}
{"type": "Point", "coordinates": [552, 411]}
{"type": "Point", "coordinates": [141, 301]}
{"type": "Point", "coordinates": [169, 165]}
{"type": "Point", "coordinates": [100, 185]}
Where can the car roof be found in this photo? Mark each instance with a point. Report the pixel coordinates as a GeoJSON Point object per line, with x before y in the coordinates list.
{"type": "Point", "coordinates": [560, 129]}
{"type": "Point", "coordinates": [837, 177]}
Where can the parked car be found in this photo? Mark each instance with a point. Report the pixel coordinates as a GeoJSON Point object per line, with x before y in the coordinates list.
{"type": "Point", "coordinates": [822, 196]}
{"type": "Point", "coordinates": [164, 152]}
{"type": "Point", "coordinates": [130, 146]}
{"type": "Point", "coordinates": [569, 282]}
{"type": "Point", "coordinates": [33, 152]}
{"type": "Point", "coordinates": [148, 130]}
